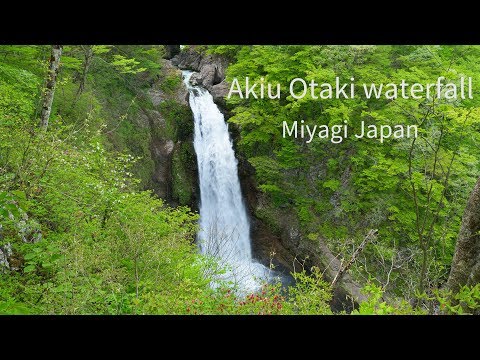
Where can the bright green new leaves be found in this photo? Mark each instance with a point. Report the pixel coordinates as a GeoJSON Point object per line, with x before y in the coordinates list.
{"type": "Point", "coordinates": [126, 65]}
{"type": "Point", "coordinates": [413, 191]}
{"type": "Point", "coordinates": [101, 49]}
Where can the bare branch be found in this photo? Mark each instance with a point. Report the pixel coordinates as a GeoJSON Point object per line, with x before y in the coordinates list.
{"type": "Point", "coordinates": [372, 234]}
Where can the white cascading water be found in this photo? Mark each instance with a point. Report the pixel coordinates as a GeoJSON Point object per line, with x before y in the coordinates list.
{"type": "Point", "coordinates": [224, 227]}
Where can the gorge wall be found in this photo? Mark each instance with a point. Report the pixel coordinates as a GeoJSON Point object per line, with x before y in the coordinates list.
{"type": "Point", "coordinates": [166, 119]}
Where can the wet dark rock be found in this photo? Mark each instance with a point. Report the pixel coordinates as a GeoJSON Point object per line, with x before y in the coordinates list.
{"type": "Point", "coordinates": [171, 51]}
{"type": "Point", "coordinates": [210, 71]}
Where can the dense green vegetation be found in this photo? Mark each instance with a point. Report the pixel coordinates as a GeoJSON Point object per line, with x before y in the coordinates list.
{"type": "Point", "coordinates": [414, 192]}
{"type": "Point", "coordinates": [85, 234]}
{"type": "Point", "coordinates": [82, 235]}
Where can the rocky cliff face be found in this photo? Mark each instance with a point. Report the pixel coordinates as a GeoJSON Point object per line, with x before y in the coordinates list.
{"type": "Point", "coordinates": [170, 121]}
{"type": "Point", "coordinates": [210, 72]}
{"type": "Point", "coordinates": [171, 51]}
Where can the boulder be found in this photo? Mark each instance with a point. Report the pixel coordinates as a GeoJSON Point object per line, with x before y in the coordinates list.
{"type": "Point", "coordinates": [219, 93]}
{"type": "Point", "coordinates": [188, 59]}
{"type": "Point", "coordinates": [196, 79]}
{"type": "Point", "coordinates": [207, 73]}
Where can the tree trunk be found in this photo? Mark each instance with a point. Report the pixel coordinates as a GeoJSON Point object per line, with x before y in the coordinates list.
{"type": "Point", "coordinates": [466, 261]}
{"type": "Point", "coordinates": [88, 56]}
{"type": "Point", "coordinates": [50, 86]}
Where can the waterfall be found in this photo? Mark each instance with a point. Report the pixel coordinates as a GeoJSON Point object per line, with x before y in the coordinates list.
{"type": "Point", "coordinates": [224, 227]}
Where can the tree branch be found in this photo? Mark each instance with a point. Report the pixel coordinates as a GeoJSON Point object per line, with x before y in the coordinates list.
{"type": "Point", "coordinates": [372, 234]}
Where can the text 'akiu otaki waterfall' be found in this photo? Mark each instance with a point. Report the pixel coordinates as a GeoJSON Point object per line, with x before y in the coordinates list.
{"type": "Point", "coordinates": [224, 227]}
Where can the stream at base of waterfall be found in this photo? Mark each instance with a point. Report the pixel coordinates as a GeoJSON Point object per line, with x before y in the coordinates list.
{"type": "Point", "coordinates": [224, 227]}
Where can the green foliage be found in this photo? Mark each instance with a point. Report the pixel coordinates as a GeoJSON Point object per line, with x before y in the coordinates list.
{"type": "Point", "coordinates": [228, 51]}
{"type": "Point", "coordinates": [106, 246]}
{"type": "Point", "coordinates": [11, 204]}
{"type": "Point", "coordinates": [40, 256]}
{"type": "Point", "coordinates": [87, 239]}
{"type": "Point", "coordinates": [376, 306]}
{"type": "Point", "coordinates": [179, 124]}
{"type": "Point", "coordinates": [171, 83]}
{"type": "Point", "coordinates": [101, 49]}
{"type": "Point", "coordinates": [270, 216]}
{"type": "Point", "coordinates": [311, 294]}
{"type": "Point", "coordinates": [182, 183]}
{"type": "Point", "coordinates": [413, 192]}
{"type": "Point", "coordinates": [466, 301]}
{"type": "Point", "coordinates": [332, 184]}
{"type": "Point", "coordinates": [126, 65]}
{"type": "Point", "coordinates": [18, 89]}
{"type": "Point", "coordinates": [13, 308]}
{"type": "Point", "coordinates": [9, 290]}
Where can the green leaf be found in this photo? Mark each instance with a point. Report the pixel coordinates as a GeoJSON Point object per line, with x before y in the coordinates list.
{"type": "Point", "coordinates": [14, 308]}
{"type": "Point", "coordinates": [29, 268]}
{"type": "Point", "coordinates": [30, 256]}
{"type": "Point", "coordinates": [55, 257]}
{"type": "Point", "coordinates": [19, 195]}
{"type": "Point", "coordinates": [101, 49]}
{"type": "Point", "coordinates": [13, 209]}
{"type": "Point", "coordinates": [3, 213]}
{"type": "Point", "coordinates": [332, 184]}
